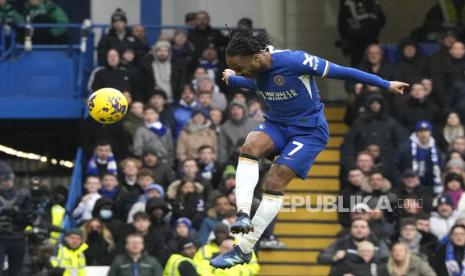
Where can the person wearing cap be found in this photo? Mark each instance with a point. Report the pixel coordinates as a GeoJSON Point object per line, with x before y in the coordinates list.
{"type": "Point", "coordinates": [236, 127]}
{"type": "Point", "coordinates": [153, 190]}
{"type": "Point", "coordinates": [119, 37]}
{"type": "Point", "coordinates": [343, 246]}
{"type": "Point", "coordinates": [46, 11]}
{"type": "Point", "coordinates": [135, 261]}
{"type": "Point", "coordinates": [444, 216]}
{"type": "Point", "coordinates": [153, 133]}
{"type": "Point", "coordinates": [456, 166]}
{"type": "Point", "coordinates": [180, 263]}
{"type": "Point", "coordinates": [70, 256]}
{"type": "Point", "coordinates": [15, 214]}
{"type": "Point", "coordinates": [410, 187]}
{"type": "Point", "coordinates": [183, 229]}
{"type": "Point", "coordinates": [197, 133]}
{"type": "Point", "coordinates": [418, 106]}
{"type": "Point", "coordinates": [421, 154]}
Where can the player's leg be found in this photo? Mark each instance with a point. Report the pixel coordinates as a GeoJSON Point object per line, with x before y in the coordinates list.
{"type": "Point", "coordinates": [259, 143]}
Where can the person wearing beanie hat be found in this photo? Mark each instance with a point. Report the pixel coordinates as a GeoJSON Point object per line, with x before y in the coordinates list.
{"type": "Point", "coordinates": [70, 255]}
{"type": "Point", "coordinates": [236, 127]}
{"type": "Point", "coordinates": [153, 190]}
{"type": "Point", "coordinates": [180, 263]}
{"type": "Point", "coordinates": [454, 188]}
{"type": "Point", "coordinates": [196, 134]}
{"type": "Point", "coordinates": [444, 217]}
{"type": "Point", "coordinates": [119, 37]}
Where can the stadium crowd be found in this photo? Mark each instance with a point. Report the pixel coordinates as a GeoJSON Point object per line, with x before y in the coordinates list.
{"type": "Point", "coordinates": [159, 185]}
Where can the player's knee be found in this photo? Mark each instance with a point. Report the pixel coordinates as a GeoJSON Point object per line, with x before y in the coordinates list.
{"type": "Point", "coordinates": [250, 149]}
{"type": "Point", "coordinates": [278, 179]}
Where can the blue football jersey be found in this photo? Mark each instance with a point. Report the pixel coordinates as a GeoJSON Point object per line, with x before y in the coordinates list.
{"type": "Point", "coordinates": [290, 90]}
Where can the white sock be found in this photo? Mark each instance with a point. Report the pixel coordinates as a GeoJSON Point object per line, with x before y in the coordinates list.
{"type": "Point", "coordinates": [246, 179]}
{"type": "Point", "coordinates": [267, 211]}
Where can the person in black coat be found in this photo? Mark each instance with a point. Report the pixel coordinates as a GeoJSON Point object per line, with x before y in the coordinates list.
{"type": "Point", "coordinates": [105, 209]}
{"type": "Point", "coordinates": [416, 106]}
{"type": "Point", "coordinates": [101, 249]}
{"type": "Point", "coordinates": [410, 187]}
{"type": "Point", "coordinates": [359, 22]}
{"type": "Point", "coordinates": [158, 209]}
{"type": "Point", "coordinates": [451, 256]}
{"type": "Point", "coordinates": [355, 178]}
{"type": "Point", "coordinates": [375, 126]}
{"type": "Point", "coordinates": [202, 35]}
{"type": "Point", "coordinates": [120, 38]}
{"type": "Point", "coordinates": [452, 71]}
{"type": "Point", "coordinates": [412, 67]}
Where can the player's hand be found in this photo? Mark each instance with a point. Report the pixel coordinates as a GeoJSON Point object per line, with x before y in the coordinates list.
{"type": "Point", "coordinates": [227, 73]}
{"type": "Point", "coordinates": [397, 87]}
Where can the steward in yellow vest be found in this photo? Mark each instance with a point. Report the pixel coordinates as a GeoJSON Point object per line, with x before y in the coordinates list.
{"type": "Point", "coordinates": [180, 263]}
{"type": "Point", "coordinates": [70, 256]}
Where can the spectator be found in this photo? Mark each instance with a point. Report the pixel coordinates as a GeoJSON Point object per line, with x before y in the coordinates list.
{"type": "Point", "coordinates": [130, 168]}
{"type": "Point", "coordinates": [450, 257]}
{"type": "Point", "coordinates": [154, 245]}
{"type": "Point", "coordinates": [100, 241]}
{"type": "Point", "coordinates": [70, 258]}
{"type": "Point", "coordinates": [46, 11]}
{"type": "Point", "coordinates": [128, 62]}
{"type": "Point", "coordinates": [180, 262]}
{"type": "Point", "coordinates": [210, 62]}
{"type": "Point", "coordinates": [458, 145]}
{"type": "Point", "coordinates": [452, 129]}
{"type": "Point", "coordinates": [134, 118]}
{"type": "Point", "coordinates": [9, 15]}
{"type": "Point", "coordinates": [106, 210]}
{"type": "Point", "coordinates": [402, 262]}
{"type": "Point", "coordinates": [420, 246]}
{"type": "Point", "coordinates": [202, 35]}
{"type": "Point", "coordinates": [340, 249]}
{"type": "Point", "coordinates": [423, 226]}
{"type": "Point", "coordinates": [112, 190]}
{"type": "Point", "coordinates": [206, 84]}
{"type": "Point", "coordinates": [190, 171]}
{"type": "Point", "coordinates": [119, 37]}
{"type": "Point", "coordinates": [153, 134]}
{"type": "Point", "coordinates": [410, 187]}
{"type": "Point", "coordinates": [135, 261]}
{"type": "Point", "coordinates": [162, 72]}
{"type": "Point", "coordinates": [182, 112]}
{"type": "Point", "coordinates": [412, 66]}
{"type": "Point", "coordinates": [359, 25]}
{"type": "Point", "coordinates": [103, 160]}
{"type": "Point", "coordinates": [204, 255]}
{"type": "Point", "coordinates": [152, 191]}
{"type": "Point", "coordinates": [452, 71]}
{"type": "Point", "coordinates": [204, 98]}
{"type": "Point", "coordinates": [212, 247]}
{"type": "Point", "coordinates": [157, 209]}
{"type": "Point", "coordinates": [355, 178]}
{"type": "Point", "coordinates": [158, 100]}
{"type": "Point", "coordinates": [256, 110]}
{"type": "Point", "coordinates": [216, 117]}
{"type": "Point", "coordinates": [208, 168]}
{"type": "Point", "coordinates": [235, 128]}
{"type": "Point", "coordinates": [196, 134]}
{"type": "Point", "coordinates": [83, 211]}
{"type": "Point", "coordinates": [365, 162]}
{"type": "Point", "coordinates": [111, 74]}
{"type": "Point", "coordinates": [361, 263]}
{"type": "Point", "coordinates": [183, 51]}
{"type": "Point", "coordinates": [186, 201]}
{"type": "Point", "coordinates": [189, 19]}
{"type": "Point", "coordinates": [375, 126]}
{"type": "Point", "coordinates": [144, 179]}
{"type": "Point", "coordinates": [444, 217]}
{"type": "Point", "coordinates": [432, 29]}
{"type": "Point", "coordinates": [421, 155]}
{"type": "Point", "coordinates": [416, 106]}
{"type": "Point", "coordinates": [138, 31]}
{"type": "Point", "coordinates": [454, 188]}
{"type": "Point", "coordinates": [161, 171]}
{"type": "Point", "coordinates": [183, 229]}
{"type": "Point", "coordinates": [222, 209]}
{"type": "Point", "coordinates": [14, 217]}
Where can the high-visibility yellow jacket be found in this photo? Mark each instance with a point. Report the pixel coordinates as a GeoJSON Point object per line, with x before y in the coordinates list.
{"type": "Point", "coordinates": [58, 214]}
{"type": "Point", "coordinates": [172, 266]}
{"type": "Point", "coordinates": [73, 261]}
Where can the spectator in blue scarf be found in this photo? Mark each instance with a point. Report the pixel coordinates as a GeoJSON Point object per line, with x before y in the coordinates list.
{"type": "Point", "coordinates": [103, 161]}
{"type": "Point", "coordinates": [112, 190]}
{"type": "Point", "coordinates": [450, 259]}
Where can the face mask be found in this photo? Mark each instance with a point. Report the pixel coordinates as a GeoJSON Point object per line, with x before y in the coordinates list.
{"type": "Point", "coordinates": [106, 214]}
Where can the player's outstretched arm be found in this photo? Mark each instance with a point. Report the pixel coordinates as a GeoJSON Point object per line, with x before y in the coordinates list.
{"type": "Point", "coordinates": [350, 74]}
{"type": "Point", "coordinates": [233, 81]}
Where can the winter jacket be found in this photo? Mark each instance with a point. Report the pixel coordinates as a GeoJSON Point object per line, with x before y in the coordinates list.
{"type": "Point", "coordinates": [144, 137]}
{"type": "Point", "coordinates": [113, 224]}
{"type": "Point", "coordinates": [131, 123]}
{"type": "Point", "coordinates": [419, 192]}
{"type": "Point", "coordinates": [159, 226]}
{"type": "Point", "coordinates": [124, 265]}
{"type": "Point", "coordinates": [99, 253]}
{"type": "Point", "coordinates": [232, 131]}
{"type": "Point", "coordinates": [204, 38]}
{"type": "Point", "coordinates": [112, 41]}
{"type": "Point", "coordinates": [113, 77]}
{"type": "Point", "coordinates": [414, 68]}
{"type": "Point", "coordinates": [163, 173]}
{"type": "Point", "coordinates": [190, 141]}
{"type": "Point", "coordinates": [439, 262]}
{"type": "Point", "coordinates": [452, 71]}
{"type": "Point", "coordinates": [440, 226]}
{"type": "Point", "coordinates": [16, 213]}
{"type": "Point", "coordinates": [356, 266]}
{"type": "Point", "coordinates": [417, 267]}
{"type": "Point", "coordinates": [72, 260]}
{"type": "Point", "coordinates": [412, 111]}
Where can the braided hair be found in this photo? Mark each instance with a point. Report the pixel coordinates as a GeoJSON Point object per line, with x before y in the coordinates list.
{"type": "Point", "coordinates": [243, 42]}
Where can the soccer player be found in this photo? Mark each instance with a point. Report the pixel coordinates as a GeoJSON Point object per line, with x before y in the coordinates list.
{"type": "Point", "coordinates": [295, 126]}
